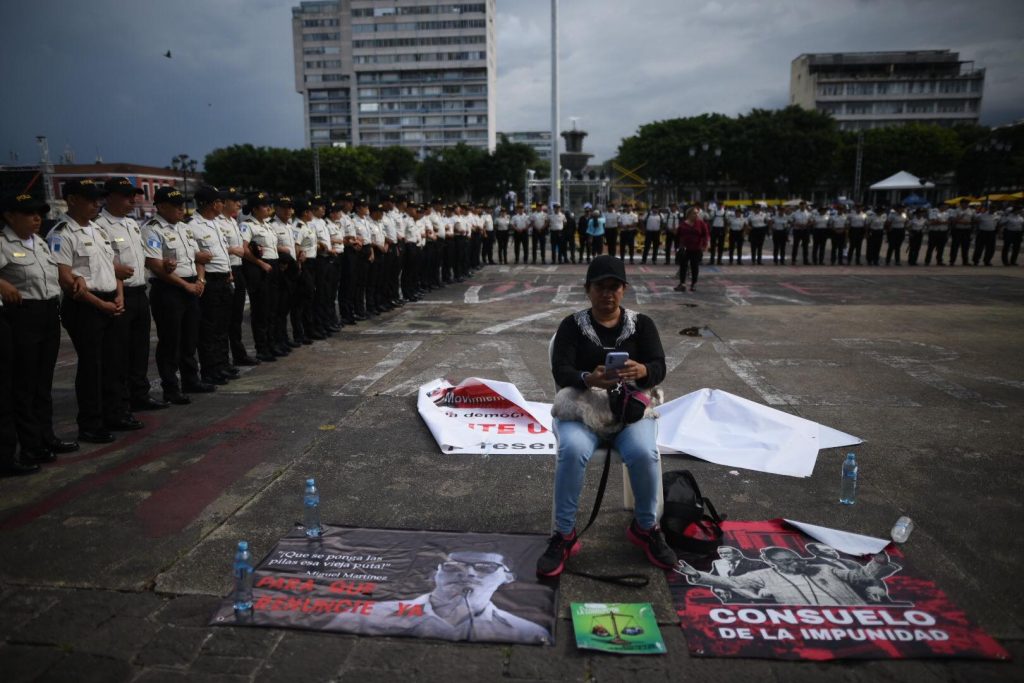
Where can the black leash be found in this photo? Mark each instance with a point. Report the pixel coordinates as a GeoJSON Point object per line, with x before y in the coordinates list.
{"type": "Point", "coordinates": [629, 580]}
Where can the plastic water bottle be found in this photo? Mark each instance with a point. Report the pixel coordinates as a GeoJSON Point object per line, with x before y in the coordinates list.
{"type": "Point", "coordinates": [243, 578]}
{"type": "Point", "coordinates": [312, 516]}
{"type": "Point", "coordinates": [901, 529]}
{"type": "Point", "coordinates": [848, 490]}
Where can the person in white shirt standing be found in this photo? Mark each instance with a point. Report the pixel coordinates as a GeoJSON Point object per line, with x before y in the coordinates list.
{"type": "Point", "coordinates": [986, 222]}
{"type": "Point", "coordinates": [962, 224]}
{"type": "Point", "coordinates": [539, 235]}
{"type": "Point", "coordinates": [938, 233]}
{"type": "Point", "coordinates": [653, 223]}
{"type": "Point", "coordinates": [520, 229]}
{"type": "Point", "coordinates": [1012, 224]}
{"type": "Point", "coordinates": [556, 226]}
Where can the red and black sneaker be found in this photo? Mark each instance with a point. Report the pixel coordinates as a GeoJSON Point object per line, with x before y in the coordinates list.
{"type": "Point", "coordinates": [654, 545]}
{"type": "Point", "coordinates": [560, 549]}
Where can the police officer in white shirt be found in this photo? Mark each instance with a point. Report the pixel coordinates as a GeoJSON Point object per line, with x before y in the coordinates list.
{"type": "Point", "coordinates": [178, 281]}
{"type": "Point", "coordinates": [840, 225]}
{"type": "Point", "coordinates": [821, 228]}
{"type": "Point", "coordinates": [229, 225]}
{"type": "Point", "coordinates": [93, 297]}
{"type": "Point", "coordinates": [671, 229]}
{"type": "Point", "coordinates": [287, 275]}
{"type": "Point", "coordinates": [758, 222]}
{"type": "Point", "coordinates": [895, 227]}
{"type": "Point", "coordinates": [556, 226]}
{"type": "Point", "coordinates": [653, 222]}
{"type": "Point", "coordinates": [521, 222]}
{"type": "Point", "coordinates": [857, 223]}
{"type": "Point", "coordinates": [876, 219]}
{"type": "Point", "coordinates": [260, 264]}
{"type": "Point", "coordinates": [134, 327]}
{"type": "Point", "coordinates": [30, 328]}
{"type": "Point", "coordinates": [962, 223]}
{"type": "Point", "coordinates": [718, 218]}
{"type": "Point", "coordinates": [737, 223]}
{"type": "Point", "coordinates": [502, 225]}
{"type": "Point", "coordinates": [916, 228]}
{"type": "Point", "coordinates": [938, 233]}
{"type": "Point", "coordinates": [986, 223]}
{"type": "Point", "coordinates": [780, 235]}
{"type": "Point", "coordinates": [215, 304]}
{"type": "Point", "coordinates": [487, 216]}
{"type": "Point", "coordinates": [1011, 223]}
{"type": "Point", "coordinates": [539, 233]}
{"type": "Point", "coordinates": [801, 226]}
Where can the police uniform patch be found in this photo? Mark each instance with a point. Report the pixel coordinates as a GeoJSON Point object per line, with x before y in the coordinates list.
{"type": "Point", "coordinates": [153, 242]}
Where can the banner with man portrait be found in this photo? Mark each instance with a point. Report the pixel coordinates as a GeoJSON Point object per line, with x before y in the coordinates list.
{"type": "Point", "coordinates": [773, 592]}
{"type": "Point", "coordinates": [388, 582]}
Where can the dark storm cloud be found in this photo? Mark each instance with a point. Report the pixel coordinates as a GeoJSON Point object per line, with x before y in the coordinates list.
{"type": "Point", "coordinates": [92, 74]}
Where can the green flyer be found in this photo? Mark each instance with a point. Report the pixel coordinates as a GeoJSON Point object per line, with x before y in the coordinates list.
{"type": "Point", "coordinates": [624, 628]}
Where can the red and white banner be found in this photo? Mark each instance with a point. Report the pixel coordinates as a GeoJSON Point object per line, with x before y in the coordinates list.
{"type": "Point", "coordinates": [484, 417]}
{"type": "Point", "coordinates": [774, 592]}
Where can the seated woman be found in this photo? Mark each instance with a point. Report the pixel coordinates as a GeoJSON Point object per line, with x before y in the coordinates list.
{"type": "Point", "coordinates": [583, 415]}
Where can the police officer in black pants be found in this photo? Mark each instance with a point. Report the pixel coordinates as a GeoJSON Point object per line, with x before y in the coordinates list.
{"type": "Point", "coordinates": [287, 276]}
{"type": "Point", "coordinates": [178, 281]}
{"type": "Point", "coordinates": [133, 328]}
{"type": "Point", "coordinates": [30, 293]}
{"type": "Point", "coordinates": [93, 298]}
{"type": "Point", "coordinates": [259, 264]}
{"type": "Point", "coordinates": [231, 229]}
{"type": "Point", "coordinates": [215, 303]}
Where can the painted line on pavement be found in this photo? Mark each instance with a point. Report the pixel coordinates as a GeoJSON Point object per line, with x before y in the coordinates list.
{"type": "Point", "coordinates": [501, 327]}
{"type": "Point", "coordinates": [358, 385]}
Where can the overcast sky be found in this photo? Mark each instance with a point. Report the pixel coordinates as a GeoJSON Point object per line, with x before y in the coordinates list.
{"type": "Point", "coordinates": [92, 74]}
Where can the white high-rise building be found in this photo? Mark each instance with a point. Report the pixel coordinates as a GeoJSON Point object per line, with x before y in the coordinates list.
{"type": "Point", "coordinates": [874, 89]}
{"type": "Point", "coordinates": [416, 73]}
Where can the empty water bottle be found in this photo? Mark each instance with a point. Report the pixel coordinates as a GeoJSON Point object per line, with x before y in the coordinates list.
{"type": "Point", "coordinates": [848, 489]}
{"type": "Point", "coordinates": [901, 529]}
{"type": "Point", "coordinates": [243, 578]}
{"type": "Point", "coordinates": [312, 516]}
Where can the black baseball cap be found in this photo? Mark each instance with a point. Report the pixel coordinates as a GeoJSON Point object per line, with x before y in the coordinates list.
{"type": "Point", "coordinates": [259, 199]}
{"type": "Point", "coordinates": [604, 267]}
{"type": "Point", "coordinates": [120, 185]}
{"type": "Point", "coordinates": [300, 206]}
{"type": "Point", "coordinates": [25, 203]}
{"type": "Point", "coordinates": [284, 201]}
{"type": "Point", "coordinates": [169, 195]}
{"type": "Point", "coordinates": [233, 194]}
{"type": "Point", "coordinates": [83, 187]}
{"type": "Point", "coordinates": [207, 194]}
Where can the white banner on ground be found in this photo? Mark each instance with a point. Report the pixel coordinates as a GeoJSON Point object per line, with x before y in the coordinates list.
{"type": "Point", "coordinates": [843, 541]}
{"type": "Point", "coordinates": [484, 417]}
{"type": "Point", "coordinates": [726, 429]}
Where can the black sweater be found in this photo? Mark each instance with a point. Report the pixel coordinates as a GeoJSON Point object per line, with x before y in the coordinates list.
{"type": "Point", "coordinates": [576, 350]}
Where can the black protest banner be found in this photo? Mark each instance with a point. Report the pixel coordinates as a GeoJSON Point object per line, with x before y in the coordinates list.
{"type": "Point", "coordinates": [773, 592]}
{"type": "Point", "coordinates": [389, 582]}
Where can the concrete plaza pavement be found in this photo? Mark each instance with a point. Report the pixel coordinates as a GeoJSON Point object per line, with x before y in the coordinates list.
{"type": "Point", "coordinates": [114, 558]}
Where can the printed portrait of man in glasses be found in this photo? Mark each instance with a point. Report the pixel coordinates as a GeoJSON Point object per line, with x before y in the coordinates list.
{"type": "Point", "coordinates": [458, 608]}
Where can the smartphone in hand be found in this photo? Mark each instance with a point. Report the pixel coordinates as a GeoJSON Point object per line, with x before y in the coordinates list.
{"type": "Point", "coordinates": [613, 362]}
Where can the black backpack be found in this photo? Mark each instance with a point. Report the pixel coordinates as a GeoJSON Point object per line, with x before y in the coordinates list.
{"type": "Point", "coordinates": [690, 522]}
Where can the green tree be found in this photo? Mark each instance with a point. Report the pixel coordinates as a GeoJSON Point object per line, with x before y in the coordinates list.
{"type": "Point", "coordinates": [396, 164]}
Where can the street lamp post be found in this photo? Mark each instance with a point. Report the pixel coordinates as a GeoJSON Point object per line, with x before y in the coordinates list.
{"type": "Point", "coordinates": [186, 165]}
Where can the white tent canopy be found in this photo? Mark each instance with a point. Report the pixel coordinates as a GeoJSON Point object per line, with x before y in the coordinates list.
{"type": "Point", "coordinates": [901, 181]}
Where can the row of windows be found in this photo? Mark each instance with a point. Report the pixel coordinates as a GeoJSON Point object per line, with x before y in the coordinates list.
{"type": "Point", "coordinates": [333, 94]}
{"type": "Point", "coordinates": [320, 23]}
{"type": "Point", "coordinates": [434, 105]}
{"type": "Point", "coordinates": [440, 75]}
{"type": "Point", "coordinates": [463, 8]}
{"type": "Point", "coordinates": [429, 121]}
{"type": "Point", "coordinates": [423, 136]}
{"type": "Point", "coordinates": [910, 107]}
{"type": "Point", "coordinates": [322, 50]}
{"type": "Point", "coordinates": [329, 120]}
{"type": "Point", "coordinates": [333, 134]}
{"type": "Point", "coordinates": [328, 107]}
{"type": "Point", "coordinates": [417, 42]}
{"type": "Point", "coordinates": [326, 37]}
{"type": "Point", "coordinates": [901, 87]}
{"type": "Point", "coordinates": [868, 125]}
{"type": "Point", "coordinates": [324, 78]}
{"type": "Point", "coordinates": [426, 90]}
{"type": "Point", "coordinates": [419, 26]}
{"type": "Point", "coordinates": [420, 57]}
{"type": "Point", "coordinates": [323, 64]}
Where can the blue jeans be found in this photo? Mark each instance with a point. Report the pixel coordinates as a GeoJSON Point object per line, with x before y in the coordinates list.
{"type": "Point", "coordinates": [637, 444]}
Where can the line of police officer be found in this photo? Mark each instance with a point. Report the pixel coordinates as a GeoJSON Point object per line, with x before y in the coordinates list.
{"type": "Point", "coordinates": [314, 264]}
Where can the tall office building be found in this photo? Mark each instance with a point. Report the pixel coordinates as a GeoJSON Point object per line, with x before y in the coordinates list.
{"type": "Point", "coordinates": [416, 73]}
{"type": "Point", "coordinates": [874, 89]}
